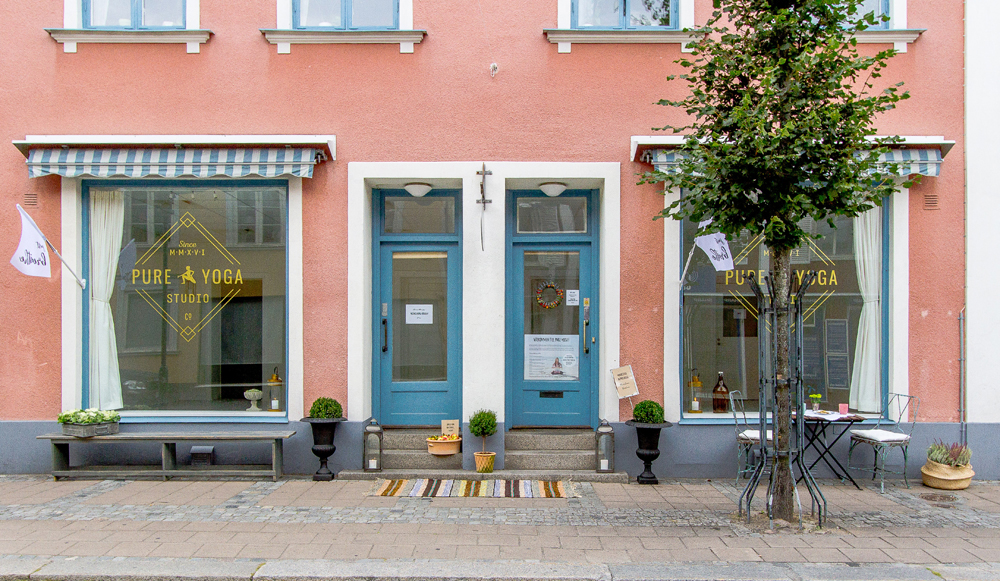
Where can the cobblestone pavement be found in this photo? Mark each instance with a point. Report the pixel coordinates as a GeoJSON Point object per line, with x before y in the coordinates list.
{"type": "Point", "coordinates": [676, 521]}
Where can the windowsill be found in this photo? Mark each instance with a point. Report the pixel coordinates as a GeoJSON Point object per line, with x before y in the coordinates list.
{"type": "Point", "coordinates": [70, 37]}
{"type": "Point", "coordinates": [565, 37]}
{"type": "Point", "coordinates": [285, 38]}
{"type": "Point", "coordinates": [897, 38]}
{"type": "Point", "coordinates": [190, 417]}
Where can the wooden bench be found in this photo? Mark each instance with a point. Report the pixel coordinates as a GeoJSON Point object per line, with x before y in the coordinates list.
{"type": "Point", "coordinates": [61, 467]}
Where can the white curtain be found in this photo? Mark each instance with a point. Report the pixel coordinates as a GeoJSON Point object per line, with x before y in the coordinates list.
{"type": "Point", "coordinates": [99, 12]}
{"type": "Point", "coordinates": [304, 13]}
{"type": "Point", "coordinates": [866, 377]}
{"type": "Point", "coordinates": [107, 219]}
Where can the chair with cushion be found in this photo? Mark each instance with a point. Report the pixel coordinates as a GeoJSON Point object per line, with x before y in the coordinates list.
{"type": "Point", "coordinates": [747, 436]}
{"type": "Point", "coordinates": [885, 436]}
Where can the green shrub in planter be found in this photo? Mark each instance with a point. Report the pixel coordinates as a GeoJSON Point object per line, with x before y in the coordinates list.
{"type": "Point", "coordinates": [648, 412]}
{"type": "Point", "coordinates": [483, 424]}
{"type": "Point", "coordinates": [325, 407]}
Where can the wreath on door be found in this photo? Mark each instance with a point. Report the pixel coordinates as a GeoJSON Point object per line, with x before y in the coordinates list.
{"type": "Point", "coordinates": [541, 288]}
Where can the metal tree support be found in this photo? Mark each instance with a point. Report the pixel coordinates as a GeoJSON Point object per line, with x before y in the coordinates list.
{"type": "Point", "coordinates": [766, 365]}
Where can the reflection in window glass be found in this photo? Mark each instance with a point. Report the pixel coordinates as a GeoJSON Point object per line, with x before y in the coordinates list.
{"type": "Point", "coordinates": [162, 13]}
{"type": "Point", "coordinates": [599, 13]}
{"type": "Point", "coordinates": [119, 13]}
{"type": "Point", "coordinates": [373, 13]}
{"type": "Point", "coordinates": [649, 13]}
{"type": "Point", "coordinates": [564, 214]}
{"type": "Point", "coordinates": [111, 13]}
{"type": "Point", "coordinates": [720, 323]}
{"type": "Point", "coordinates": [427, 215]}
{"type": "Point", "coordinates": [320, 13]}
{"type": "Point", "coordinates": [420, 316]}
{"type": "Point", "coordinates": [199, 305]}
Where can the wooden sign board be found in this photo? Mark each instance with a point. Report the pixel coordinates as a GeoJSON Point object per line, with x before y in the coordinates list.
{"type": "Point", "coordinates": [450, 426]}
{"type": "Point", "coordinates": [625, 382]}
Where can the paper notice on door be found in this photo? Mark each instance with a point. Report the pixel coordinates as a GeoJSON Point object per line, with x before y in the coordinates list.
{"type": "Point", "coordinates": [551, 357]}
{"type": "Point", "coordinates": [572, 298]}
{"type": "Point", "coordinates": [419, 314]}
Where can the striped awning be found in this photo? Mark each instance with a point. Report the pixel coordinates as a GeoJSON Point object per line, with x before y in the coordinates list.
{"type": "Point", "coordinates": [174, 163]}
{"type": "Point", "coordinates": [925, 162]}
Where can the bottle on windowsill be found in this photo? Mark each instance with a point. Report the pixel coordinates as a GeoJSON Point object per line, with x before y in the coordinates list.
{"type": "Point", "coordinates": [720, 396]}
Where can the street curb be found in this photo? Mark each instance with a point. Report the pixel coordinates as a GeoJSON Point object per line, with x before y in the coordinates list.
{"type": "Point", "coordinates": [19, 568]}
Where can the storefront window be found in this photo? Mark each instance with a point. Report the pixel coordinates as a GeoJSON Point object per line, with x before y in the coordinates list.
{"type": "Point", "coordinates": [198, 302]}
{"type": "Point", "coordinates": [842, 342]}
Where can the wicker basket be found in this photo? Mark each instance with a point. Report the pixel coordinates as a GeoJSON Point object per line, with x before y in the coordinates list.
{"type": "Point", "coordinates": [90, 430]}
{"type": "Point", "coordinates": [945, 477]}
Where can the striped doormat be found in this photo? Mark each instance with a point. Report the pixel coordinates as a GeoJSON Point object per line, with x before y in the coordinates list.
{"type": "Point", "coordinates": [426, 487]}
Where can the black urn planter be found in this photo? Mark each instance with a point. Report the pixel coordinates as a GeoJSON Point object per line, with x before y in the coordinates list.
{"type": "Point", "coordinates": [323, 431]}
{"type": "Point", "coordinates": [649, 448]}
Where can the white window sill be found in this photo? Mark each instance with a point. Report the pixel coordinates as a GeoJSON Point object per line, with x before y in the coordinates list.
{"type": "Point", "coordinates": [565, 37]}
{"type": "Point", "coordinates": [285, 38]}
{"type": "Point", "coordinates": [897, 38]}
{"type": "Point", "coordinates": [70, 37]}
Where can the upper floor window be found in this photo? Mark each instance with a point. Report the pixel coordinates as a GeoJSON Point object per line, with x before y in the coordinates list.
{"type": "Point", "coordinates": [346, 14]}
{"type": "Point", "coordinates": [133, 14]}
{"type": "Point", "coordinates": [624, 14]}
{"type": "Point", "coordinates": [879, 8]}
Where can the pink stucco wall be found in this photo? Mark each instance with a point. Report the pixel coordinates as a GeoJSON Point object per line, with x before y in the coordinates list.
{"type": "Point", "coordinates": [439, 103]}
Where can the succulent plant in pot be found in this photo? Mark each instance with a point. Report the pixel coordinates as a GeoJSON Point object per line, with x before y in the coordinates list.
{"type": "Point", "coordinates": [483, 424]}
{"type": "Point", "coordinates": [324, 415]}
{"type": "Point", "coordinates": [948, 466]}
{"type": "Point", "coordinates": [647, 419]}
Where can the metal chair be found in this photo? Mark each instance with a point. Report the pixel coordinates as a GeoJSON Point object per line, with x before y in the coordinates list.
{"type": "Point", "coordinates": [746, 436]}
{"type": "Point", "coordinates": [883, 440]}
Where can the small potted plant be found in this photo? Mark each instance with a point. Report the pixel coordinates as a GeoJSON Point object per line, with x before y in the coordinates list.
{"type": "Point", "coordinates": [948, 466]}
{"type": "Point", "coordinates": [324, 415]}
{"type": "Point", "coordinates": [483, 424]}
{"type": "Point", "coordinates": [89, 422]}
{"type": "Point", "coordinates": [815, 397]}
{"type": "Point", "coordinates": [647, 419]}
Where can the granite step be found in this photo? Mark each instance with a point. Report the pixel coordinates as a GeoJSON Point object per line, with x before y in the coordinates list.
{"type": "Point", "coordinates": [506, 474]}
{"type": "Point", "coordinates": [550, 460]}
{"type": "Point", "coordinates": [419, 460]}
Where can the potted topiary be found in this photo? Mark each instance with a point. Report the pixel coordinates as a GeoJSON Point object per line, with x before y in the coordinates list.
{"type": "Point", "coordinates": [948, 467]}
{"type": "Point", "coordinates": [324, 415]}
{"type": "Point", "coordinates": [482, 425]}
{"type": "Point", "coordinates": [647, 419]}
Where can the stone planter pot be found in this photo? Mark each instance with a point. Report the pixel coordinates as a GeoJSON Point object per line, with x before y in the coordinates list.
{"type": "Point", "coordinates": [945, 477]}
{"type": "Point", "coordinates": [484, 461]}
{"type": "Point", "coordinates": [323, 431]}
{"type": "Point", "coordinates": [444, 447]}
{"type": "Point", "coordinates": [649, 448]}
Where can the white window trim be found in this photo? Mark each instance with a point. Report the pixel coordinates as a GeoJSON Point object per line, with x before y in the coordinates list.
{"type": "Point", "coordinates": [285, 36]}
{"type": "Point", "coordinates": [73, 33]}
{"type": "Point", "coordinates": [483, 331]}
{"type": "Point", "coordinates": [564, 36]}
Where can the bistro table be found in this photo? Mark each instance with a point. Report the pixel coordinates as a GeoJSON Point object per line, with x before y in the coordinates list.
{"type": "Point", "coordinates": [817, 423]}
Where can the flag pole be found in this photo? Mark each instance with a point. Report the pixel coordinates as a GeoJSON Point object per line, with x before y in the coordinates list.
{"type": "Point", "coordinates": [686, 264]}
{"type": "Point", "coordinates": [82, 282]}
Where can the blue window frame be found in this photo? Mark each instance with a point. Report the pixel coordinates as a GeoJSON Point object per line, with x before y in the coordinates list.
{"type": "Point", "coordinates": [625, 14]}
{"type": "Point", "coordinates": [134, 14]}
{"type": "Point", "coordinates": [345, 14]}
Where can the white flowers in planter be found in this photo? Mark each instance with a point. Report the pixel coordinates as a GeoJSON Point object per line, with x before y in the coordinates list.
{"type": "Point", "coordinates": [88, 416]}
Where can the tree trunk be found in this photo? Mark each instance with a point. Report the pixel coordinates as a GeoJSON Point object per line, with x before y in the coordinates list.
{"type": "Point", "coordinates": [784, 492]}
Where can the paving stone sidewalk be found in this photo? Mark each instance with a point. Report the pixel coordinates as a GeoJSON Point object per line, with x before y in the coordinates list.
{"type": "Point", "coordinates": [683, 523]}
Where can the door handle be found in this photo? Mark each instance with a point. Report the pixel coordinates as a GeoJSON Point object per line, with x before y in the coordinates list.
{"type": "Point", "coordinates": [586, 346]}
{"type": "Point", "coordinates": [385, 335]}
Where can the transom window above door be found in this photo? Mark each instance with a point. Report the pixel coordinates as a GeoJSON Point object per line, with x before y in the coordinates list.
{"type": "Point", "coordinates": [133, 14]}
{"type": "Point", "coordinates": [624, 14]}
{"type": "Point", "coordinates": [345, 14]}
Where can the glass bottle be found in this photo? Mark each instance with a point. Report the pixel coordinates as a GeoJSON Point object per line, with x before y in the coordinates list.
{"type": "Point", "coordinates": [720, 396]}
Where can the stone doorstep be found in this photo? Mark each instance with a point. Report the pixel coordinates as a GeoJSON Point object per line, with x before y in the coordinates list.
{"type": "Point", "coordinates": [572, 475]}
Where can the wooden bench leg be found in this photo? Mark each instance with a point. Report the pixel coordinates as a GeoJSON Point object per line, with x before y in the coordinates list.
{"type": "Point", "coordinates": [60, 457]}
{"type": "Point", "coordinates": [169, 454]}
{"type": "Point", "coordinates": [277, 457]}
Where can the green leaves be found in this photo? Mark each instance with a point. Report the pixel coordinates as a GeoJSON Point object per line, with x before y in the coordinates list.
{"type": "Point", "coordinates": [782, 108]}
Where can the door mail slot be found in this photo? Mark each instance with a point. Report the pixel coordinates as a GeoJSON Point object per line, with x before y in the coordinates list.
{"type": "Point", "coordinates": [551, 394]}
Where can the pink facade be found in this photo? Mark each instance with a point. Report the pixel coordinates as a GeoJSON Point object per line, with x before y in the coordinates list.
{"type": "Point", "coordinates": [438, 104]}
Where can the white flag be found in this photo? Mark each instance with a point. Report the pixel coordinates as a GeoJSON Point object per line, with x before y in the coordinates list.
{"type": "Point", "coordinates": [31, 257]}
{"type": "Point", "coordinates": [716, 247]}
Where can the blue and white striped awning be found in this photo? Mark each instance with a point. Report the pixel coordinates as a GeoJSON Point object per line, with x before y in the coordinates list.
{"type": "Point", "coordinates": [174, 163]}
{"type": "Point", "coordinates": [925, 162]}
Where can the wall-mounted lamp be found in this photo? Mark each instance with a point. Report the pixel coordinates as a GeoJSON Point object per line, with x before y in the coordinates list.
{"type": "Point", "coordinates": [417, 189]}
{"type": "Point", "coordinates": [552, 189]}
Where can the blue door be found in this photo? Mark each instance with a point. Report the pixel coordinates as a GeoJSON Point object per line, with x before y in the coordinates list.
{"type": "Point", "coordinates": [552, 312]}
{"type": "Point", "coordinates": [417, 324]}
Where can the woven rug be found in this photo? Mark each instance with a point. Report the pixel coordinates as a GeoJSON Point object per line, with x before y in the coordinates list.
{"type": "Point", "coordinates": [426, 487]}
